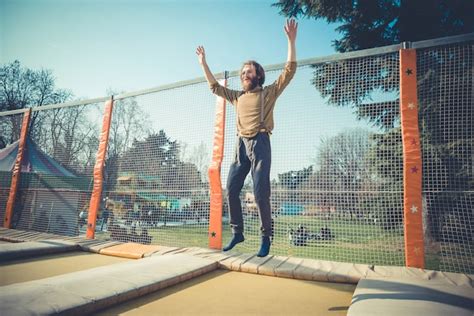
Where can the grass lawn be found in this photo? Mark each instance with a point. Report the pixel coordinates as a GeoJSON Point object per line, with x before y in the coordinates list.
{"type": "Point", "coordinates": [354, 241]}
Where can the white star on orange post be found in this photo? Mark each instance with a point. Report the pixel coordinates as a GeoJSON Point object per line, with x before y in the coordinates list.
{"type": "Point", "coordinates": [411, 105]}
{"type": "Point", "coordinates": [414, 209]}
{"type": "Point", "coordinates": [416, 250]}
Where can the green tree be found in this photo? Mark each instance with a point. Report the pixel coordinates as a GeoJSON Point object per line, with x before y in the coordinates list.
{"type": "Point", "coordinates": [368, 23]}
{"type": "Point", "coordinates": [293, 179]}
{"type": "Point", "coordinates": [444, 90]}
{"type": "Point", "coordinates": [343, 173]}
{"type": "Point", "coordinates": [129, 123]}
{"type": "Point", "coordinates": [158, 156]}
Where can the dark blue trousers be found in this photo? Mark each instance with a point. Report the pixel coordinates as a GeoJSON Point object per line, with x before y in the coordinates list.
{"type": "Point", "coordinates": [251, 154]}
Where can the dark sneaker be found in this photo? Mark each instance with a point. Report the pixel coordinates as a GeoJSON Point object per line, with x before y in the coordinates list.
{"type": "Point", "coordinates": [237, 238]}
{"type": "Point", "coordinates": [264, 247]}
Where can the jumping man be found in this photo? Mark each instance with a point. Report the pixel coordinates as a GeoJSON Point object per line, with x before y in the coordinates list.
{"type": "Point", "coordinates": [254, 105]}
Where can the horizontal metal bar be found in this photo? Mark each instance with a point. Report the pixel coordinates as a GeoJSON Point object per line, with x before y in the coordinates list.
{"type": "Point", "coordinates": [333, 58]}
{"type": "Point", "coordinates": [56, 106]}
{"type": "Point", "coordinates": [13, 112]}
{"type": "Point", "coordinates": [304, 62]}
{"type": "Point", "coordinates": [443, 41]}
{"type": "Point", "coordinates": [171, 86]}
{"type": "Point", "coordinates": [69, 104]}
{"type": "Point", "coordinates": [371, 52]}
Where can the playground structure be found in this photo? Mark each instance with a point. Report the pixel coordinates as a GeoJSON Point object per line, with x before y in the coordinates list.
{"type": "Point", "coordinates": [398, 118]}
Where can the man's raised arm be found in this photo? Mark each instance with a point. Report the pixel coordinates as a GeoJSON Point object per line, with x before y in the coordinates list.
{"type": "Point", "coordinates": [291, 28]}
{"type": "Point", "coordinates": [201, 53]}
{"type": "Point", "coordinates": [216, 88]}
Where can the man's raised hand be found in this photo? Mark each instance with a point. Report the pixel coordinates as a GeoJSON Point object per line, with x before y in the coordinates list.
{"type": "Point", "coordinates": [201, 53]}
{"type": "Point", "coordinates": [291, 28]}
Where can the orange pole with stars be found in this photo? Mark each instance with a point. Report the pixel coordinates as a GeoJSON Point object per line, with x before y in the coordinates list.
{"type": "Point", "coordinates": [412, 161]}
{"type": "Point", "coordinates": [16, 171]}
{"type": "Point", "coordinates": [216, 203]}
{"type": "Point", "coordinates": [96, 195]}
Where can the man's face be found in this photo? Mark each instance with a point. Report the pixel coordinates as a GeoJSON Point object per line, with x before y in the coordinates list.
{"type": "Point", "coordinates": [248, 78]}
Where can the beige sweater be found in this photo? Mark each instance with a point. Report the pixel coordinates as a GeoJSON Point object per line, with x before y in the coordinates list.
{"type": "Point", "coordinates": [248, 104]}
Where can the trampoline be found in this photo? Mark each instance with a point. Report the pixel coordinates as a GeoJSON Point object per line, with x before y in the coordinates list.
{"type": "Point", "coordinates": [376, 172]}
{"type": "Point", "coordinates": [221, 292]}
{"type": "Point", "coordinates": [36, 268]}
{"type": "Point", "coordinates": [196, 281]}
{"type": "Point", "coordinates": [216, 292]}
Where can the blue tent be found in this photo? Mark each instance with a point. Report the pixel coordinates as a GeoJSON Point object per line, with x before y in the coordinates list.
{"type": "Point", "coordinates": [34, 160]}
{"type": "Point", "coordinates": [54, 209]}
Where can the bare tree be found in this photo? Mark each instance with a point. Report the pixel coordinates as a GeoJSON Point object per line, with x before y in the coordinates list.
{"type": "Point", "coordinates": [199, 157]}
{"type": "Point", "coordinates": [21, 88]}
{"type": "Point", "coordinates": [68, 135]}
{"type": "Point", "coordinates": [129, 124]}
{"type": "Point", "coordinates": [343, 159]}
{"type": "Point", "coordinates": [342, 169]}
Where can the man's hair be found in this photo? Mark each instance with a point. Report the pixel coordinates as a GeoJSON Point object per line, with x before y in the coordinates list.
{"type": "Point", "coordinates": [258, 69]}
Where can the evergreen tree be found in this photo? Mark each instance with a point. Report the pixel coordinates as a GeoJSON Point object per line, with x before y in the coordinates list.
{"type": "Point", "coordinates": [445, 82]}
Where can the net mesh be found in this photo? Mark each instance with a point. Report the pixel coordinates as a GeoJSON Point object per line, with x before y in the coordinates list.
{"type": "Point", "coordinates": [157, 187]}
{"type": "Point", "coordinates": [336, 164]}
{"type": "Point", "coordinates": [445, 93]}
{"type": "Point", "coordinates": [56, 179]}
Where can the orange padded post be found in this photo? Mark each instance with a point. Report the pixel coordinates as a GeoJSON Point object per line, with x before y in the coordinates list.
{"type": "Point", "coordinates": [215, 214]}
{"type": "Point", "coordinates": [7, 220]}
{"type": "Point", "coordinates": [412, 161]}
{"type": "Point", "coordinates": [98, 169]}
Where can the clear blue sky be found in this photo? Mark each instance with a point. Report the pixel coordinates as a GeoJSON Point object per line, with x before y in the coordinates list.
{"type": "Point", "coordinates": [94, 45]}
